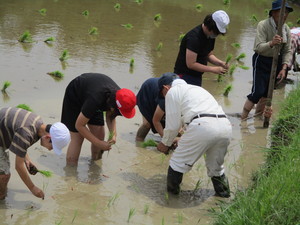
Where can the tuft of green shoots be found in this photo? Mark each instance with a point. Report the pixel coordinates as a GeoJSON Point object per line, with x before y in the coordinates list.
{"type": "Point", "coordinates": [146, 208]}
{"type": "Point", "coordinates": [244, 67]}
{"type": "Point", "coordinates": [85, 13]}
{"type": "Point", "coordinates": [117, 6]}
{"type": "Point", "coordinates": [93, 30]}
{"type": "Point", "coordinates": [24, 106]}
{"type": "Point", "coordinates": [227, 90]}
{"type": "Point", "coordinates": [139, 1]}
{"type": "Point", "coordinates": [43, 11]}
{"type": "Point", "coordinates": [25, 37]}
{"type": "Point", "coordinates": [220, 78]}
{"type": "Point", "coordinates": [157, 17]}
{"type": "Point", "coordinates": [149, 143]}
{"type": "Point", "coordinates": [253, 18]}
{"type": "Point", "coordinates": [127, 26]}
{"type": "Point", "coordinates": [240, 56]}
{"type": "Point", "coordinates": [179, 217]}
{"type": "Point", "coordinates": [130, 214]}
{"type": "Point", "coordinates": [232, 69]}
{"type": "Point", "coordinates": [113, 199]}
{"type": "Point", "coordinates": [159, 46]}
{"type": "Point", "coordinates": [49, 39]}
{"type": "Point", "coordinates": [64, 55]}
{"type": "Point", "coordinates": [167, 197]}
{"type": "Point", "coordinates": [266, 12]}
{"type": "Point", "coordinates": [226, 2]}
{"type": "Point", "coordinates": [6, 84]}
{"type": "Point", "coordinates": [228, 58]}
{"type": "Point", "coordinates": [197, 186]}
{"type": "Point", "coordinates": [163, 221]}
{"type": "Point", "coordinates": [131, 63]}
{"type": "Point", "coordinates": [75, 215]}
{"type": "Point", "coordinates": [236, 45]}
{"type": "Point", "coordinates": [46, 173]}
{"type": "Point", "coordinates": [56, 74]}
{"type": "Point", "coordinates": [199, 7]}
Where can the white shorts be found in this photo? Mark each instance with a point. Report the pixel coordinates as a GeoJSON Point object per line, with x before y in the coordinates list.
{"type": "Point", "coordinates": [205, 135]}
{"type": "Point", "coordinates": [4, 162]}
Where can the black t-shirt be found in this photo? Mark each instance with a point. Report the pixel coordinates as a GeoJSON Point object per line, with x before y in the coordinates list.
{"type": "Point", "coordinates": [196, 41]}
{"type": "Point", "coordinates": [93, 92]}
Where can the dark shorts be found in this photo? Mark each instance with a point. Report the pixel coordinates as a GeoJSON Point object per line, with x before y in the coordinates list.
{"type": "Point", "coordinates": [191, 79]}
{"type": "Point", "coordinates": [261, 76]}
{"type": "Point", "coordinates": [72, 108]}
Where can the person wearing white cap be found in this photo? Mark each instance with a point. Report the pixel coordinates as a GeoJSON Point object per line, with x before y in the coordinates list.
{"type": "Point", "coordinates": [196, 49]}
{"type": "Point", "coordinates": [20, 129]}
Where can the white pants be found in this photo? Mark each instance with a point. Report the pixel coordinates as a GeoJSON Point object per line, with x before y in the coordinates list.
{"type": "Point", "coordinates": [205, 135]}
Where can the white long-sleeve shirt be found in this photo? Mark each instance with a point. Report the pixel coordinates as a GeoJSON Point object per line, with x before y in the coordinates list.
{"type": "Point", "coordinates": [183, 102]}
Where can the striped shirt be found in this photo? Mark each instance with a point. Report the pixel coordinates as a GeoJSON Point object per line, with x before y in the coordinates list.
{"type": "Point", "coordinates": [18, 130]}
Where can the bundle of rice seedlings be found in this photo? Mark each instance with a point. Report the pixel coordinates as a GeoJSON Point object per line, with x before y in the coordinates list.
{"type": "Point", "coordinates": [93, 30]}
{"type": "Point", "coordinates": [149, 143]}
{"type": "Point", "coordinates": [6, 84]}
{"type": "Point", "coordinates": [24, 106]}
{"type": "Point", "coordinates": [49, 39]}
{"type": "Point", "coordinates": [25, 37]}
{"type": "Point", "coordinates": [64, 55]}
{"type": "Point", "coordinates": [127, 26]}
{"type": "Point", "coordinates": [56, 74]}
{"type": "Point", "coordinates": [227, 90]}
{"type": "Point", "coordinates": [85, 13]}
{"type": "Point", "coordinates": [157, 17]}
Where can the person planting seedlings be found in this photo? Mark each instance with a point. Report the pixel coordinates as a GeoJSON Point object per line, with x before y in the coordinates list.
{"type": "Point", "coordinates": [20, 129]}
{"type": "Point", "coordinates": [207, 131]}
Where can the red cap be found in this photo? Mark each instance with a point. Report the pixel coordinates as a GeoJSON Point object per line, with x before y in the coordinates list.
{"type": "Point", "coordinates": [126, 101]}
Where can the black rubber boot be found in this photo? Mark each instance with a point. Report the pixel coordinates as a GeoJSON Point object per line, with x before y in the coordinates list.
{"type": "Point", "coordinates": [174, 180]}
{"type": "Point", "coordinates": [221, 186]}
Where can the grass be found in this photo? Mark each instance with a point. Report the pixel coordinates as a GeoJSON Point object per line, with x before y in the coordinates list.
{"type": "Point", "coordinates": [227, 90]}
{"type": "Point", "coordinates": [179, 217]}
{"type": "Point", "coordinates": [113, 199]}
{"type": "Point", "coordinates": [220, 78]}
{"type": "Point", "coordinates": [197, 186]}
{"type": "Point", "coordinates": [244, 67]}
{"type": "Point", "coordinates": [273, 196]}
{"type": "Point", "coordinates": [85, 13]}
{"type": "Point", "coordinates": [74, 216]}
{"type": "Point", "coordinates": [253, 18]}
{"type": "Point", "coordinates": [157, 17]}
{"type": "Point", "coordinates": [93, 31]}
{"type": "Point", "coordinates": [64, 55]}
{"type": "Point", "coordinates": [25, 37]}
{"type": "Point", "coordinates": [56, 74]}
{"type": "Point", "coordinates": [5, 85]}
{"type": "Point", "coordinates": [130, 214]}
{"type": "Point", "coordinates": [24, 106]}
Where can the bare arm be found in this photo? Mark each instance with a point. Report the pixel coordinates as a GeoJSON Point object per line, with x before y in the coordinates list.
{"type": "Point", "coordinates": [191, 62]}
{"type": "Point", "coordinates": [80, 125]}
{"type": "Point", "coordinates": [158, 115]}
{"type": "Point", "coordinates": [22, 171]}
{"type": "Point", "coordinates": [111, 125]}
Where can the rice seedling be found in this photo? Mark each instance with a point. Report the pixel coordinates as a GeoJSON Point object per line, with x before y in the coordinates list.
{"type": "Point", "coordinates": [163, 221]}
{"type": "Point", "coordinates": [227, 90]}
{"type": "Point", "coordinates": [236, 45]}
{"type": "Point", "coordinates": [93, 30]}
{"type": "Point", "coordinates": [159, 46]}
{"type": "Point", "coordinates": [24, 106]}
{"type": "Point", "coordinates": [254, 18]}
{"type": "Point", "coordinates": [43, 11]}
{"type": "Point", "coordinates": [25, 37]}
{"type": "Point", "coordinates": [64, 55]}
{"type": "Point", "coordinates": [149, 143]}
{"type": "Point", "coordinates": [139, 1]}
{"type": "Point", "coordinates": [127, 26]}
{"type": "Point", "coordinates": [117, 6]}
{"type": "Point", "coordinates": [146, 208]}
{"type": "Point", "coordinates": [49, 39]}
{"type": "Point", "coordinates": [240, 56]}
{"type": "Point", "coordinates": [179, 217]}
{"type": "Point", "coordinates": [167, 197]}
{"type": "Point", "coordinates": [131, 63]}
{"type": "Point", "coordinates": [197, 186]}
{"type": "Point", "coordinates": [298, 21]}
{"type": "Point", "coordinates": [199, 7]}
{"type": "Point", "coordinates": [231, 69]}
{"type": "Point", "coordinates": [244, 67]}
{"type": "Point", "coordinates": [130, 214]}
{"type": "Point", "coordinates": [75, 215]}
{"type": "Point", "coordinates": [228, 58]}
{"type": "Point", "coordinates": [59, 222]}
{"type": "Point", "coordinates": [6, 84]}
{"type": "Point", "coordinates": [226, 2]}
{"type": "Point", "coordinates": [56, 74]}
{"type": "Point", "coordinates": [266, 12]}
{"type": "Point", "coordinates": [85, 13]}
{"type": "Point", "coordinates": [113, 199]}
{"type": "Point", "coordinates": [157, 17]}
{"type": "Point", "coordinates": [181, 36]}
{"type": "Point", "coordinates": [220, 77]}
{"type": "Point", "coordinates": [46, 173]}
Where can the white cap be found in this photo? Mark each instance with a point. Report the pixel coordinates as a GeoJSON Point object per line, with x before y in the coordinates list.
{"type": "Point", "coordinates": [60, 136]}
{"type": "Point", "coordinates": [221, 19]}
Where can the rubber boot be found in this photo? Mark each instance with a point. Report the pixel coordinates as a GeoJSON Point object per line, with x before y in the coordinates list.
{"type": "Point", "coordinates": [221, 186]}
{"type": "Point", "coordinates": [174, 180]}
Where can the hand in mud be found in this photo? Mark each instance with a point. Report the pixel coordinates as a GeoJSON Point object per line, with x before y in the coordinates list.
{"type": "Point", "coordinates": [163, 148]}
{"type": "Point", "coordinates": [37, 192]}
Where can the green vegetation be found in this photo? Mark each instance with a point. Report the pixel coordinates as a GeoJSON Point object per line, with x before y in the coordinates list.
{"type": "Point", "coordinates": [159, 46]}
{"type": "Point", "coordinates": [241, 56]}
{"type": "Point", "coordinates": [181, 36]}
{"type": "Point", "coordinates": [231, 69]}
{"type": "Point", "coordinates": [64, 55]}
{"type": "Point", "coordinates": [139, 1]}
{"type": "Point", "coordinates": [199, 7]}
{"type": "Point", "coordinates": [220, 77]}
{"type": "Point", "coordinates": [117, 6]}
{"type": "Point", "coordinates": [127, 26]}
{"type": "Point", "coordinates": [236, 45]}
{"type": "Point", "coordinates": [298, 21]}
{"type": "Point", "coordinates": [85, 13]}
{"type": "Point", "coordinates": [24, 106]}
{"type": "Point", "coordinates": [131, 63]}
{"type": "Point", "coordinates": [6, 84]}
{"type": "Point", "coordinates": [130, 214]}
{"type": "Point", "coordinates": [25, 37]}
{"type": "Point", "coordinates": [93, 30]}
{"type": "Point", "coordinates": [273, 196]}
{"type": "Point", "coordinates": [46, 173]}
{"type": "Point", "coordinates": [244, 67]}
{"type": "Point", "coordinates": [146, 208]}
{"type": "Point", "coordinates": [149, 143]}
{"type": "Point", "coordinates": [49, 39]}
{"type": "Point", "coordinates": [228, 58]}
{"type": "Point", "coordinates": [226, 2]}
{"type": "Point", "coordinates": [254, 18]}
{"type": "Point", "coordinates": [43, 11]}
{"type": "Point", "coordinates": [179, 217]}
{"type": "Point", "coordinates": [157, 17]}
{"type": "Point", "coordinates": [113, 199]}
{"type": "Point", "coordinates": [197, 186]}
{"type": "Point", "coordinates": [56, 74]}
{"type": "Point", "coordinates": [227, 90]}
{"type": "Point", "coordinates": [75, 215]}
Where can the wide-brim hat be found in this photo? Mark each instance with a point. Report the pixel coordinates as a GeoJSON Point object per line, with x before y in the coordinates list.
{"type": "Point", "coordinates": [276, 5]}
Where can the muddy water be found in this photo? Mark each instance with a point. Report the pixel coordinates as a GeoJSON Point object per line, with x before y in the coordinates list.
{"type": "Point", "coordinates": [129, 177]}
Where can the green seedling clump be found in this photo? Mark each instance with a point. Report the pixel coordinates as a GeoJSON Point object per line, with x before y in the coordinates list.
{"type": "Point", "coordinates": [253, 18]}
{"type": "Point", "coordinates": [6, 84]}
{"type": "Point", "coordinates": [228, 58]}
{"type": "Point", "coordinates": [149, 143]}
{"type": "Point", "coordinates": [127, 26]}
{"type": "Point", "coordinates": [85, 13]}
{"type": "Point", "coordinates": [46, 173]}
{"type": "Point", "coordinates": [241, 56]}
{"type": "Point", "coordinates": [159, 46]}
{"type": "Point", "coordinates": [50, 39]}
{"type": "Point", "coordinates": [117, 6]}
{"type": "Point", "coordinates": [232, 69]}
{"type": "Point", "coordinates": [181, 36]}
{"type": "Point", "coordinates": [157, 17]}
{"type": "Point", "coordinates": [56, 74]}
{"type": "Point", "coordinates": [227, 90]}
{"type": "Point", "coordinates": [24, 106]}
{"type": "Point", "coordinates": [139, 1]}
{"type": "Point", "coordinates": [25, 37]}
{"type": "Point", "coordinates": [64, 55]}
{"type": "Point", "coordinates": [43, 11]}
{"type": "Point", "coordinates": [244, 67]}
{"type": "Point", "coordinates": [130, 214]}
{"type": "Point", "coordinates": [93, 30]}
{"type": "Point", "coordinates": [131, 63]}
{"type": "Point", "coordinates": [226, 2]}
{"type": "Point", "coordinates": [220, 78]}
{"type": "Point", "coordinates": [199, 7]}
{"type": "Point", "coordinates": [236, 45]}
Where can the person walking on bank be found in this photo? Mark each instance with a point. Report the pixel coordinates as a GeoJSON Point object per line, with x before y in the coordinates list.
{"type": "Point", "coordinates": [20, 129]}
{"type": "Point", "coordinates": [207, 131]}
{"type": "Point", "coordinates": [264, 46]}
{"type": "Point", "coordinates": [86, 99]}
{"type": "Point", "coordinates": [152, 107]}
{"type": "Point", "coordinates": [196, 49]}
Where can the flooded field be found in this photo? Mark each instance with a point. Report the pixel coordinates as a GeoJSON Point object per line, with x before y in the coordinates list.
{"type": "Point", "coordinates": [129, 178]}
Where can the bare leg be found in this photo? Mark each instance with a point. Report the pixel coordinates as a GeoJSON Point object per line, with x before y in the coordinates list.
{"type": "Point", "coordinates": [260, 106]}
{"type": "Point", "coordinates": [4, 178]}
{"type": "Point", "coordinates": [246, 109]}
{"type": "Point", "coordinates": [99, 132]}
{"type": "Point", "coordinates": [143, 130]}
{"type": "Point", "coordinates": [74, 149]}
